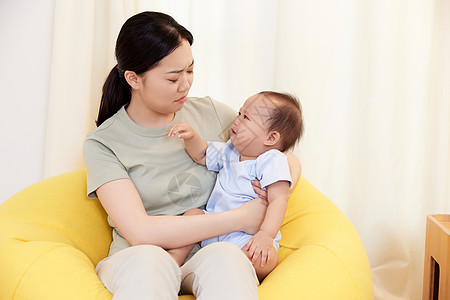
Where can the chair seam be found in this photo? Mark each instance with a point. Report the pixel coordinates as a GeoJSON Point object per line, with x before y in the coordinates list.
{"type": "Point", "coordinates": [29, 267]}
{"type": "Point", "coordinates": [340, 260]}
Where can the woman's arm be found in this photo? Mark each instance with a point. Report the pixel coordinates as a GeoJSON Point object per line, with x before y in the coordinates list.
{"type": "Point", "coordinates": [124, 206]}
{"type": "Point", "coordinates": [180, 254]}
{"type": "Point", "coordinates": [295, 168]}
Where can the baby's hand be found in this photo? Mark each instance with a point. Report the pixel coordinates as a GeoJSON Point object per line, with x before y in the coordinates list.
{"type": "Point", "coordinates": [261, 244]}
{"type": "Point", "coordinates": [183, 130]}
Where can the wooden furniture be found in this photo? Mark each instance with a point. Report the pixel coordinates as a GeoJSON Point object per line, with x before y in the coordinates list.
{"type": "Point", "coordinates": [436, 280]}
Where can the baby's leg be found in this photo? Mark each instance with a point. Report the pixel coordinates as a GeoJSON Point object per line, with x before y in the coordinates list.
{"type": "Point", "coordinates": [263, 271]}
{"type": "Point", "coordinates": [180, 254]}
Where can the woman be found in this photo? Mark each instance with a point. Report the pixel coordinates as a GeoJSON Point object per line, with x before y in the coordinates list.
{"type": "Point", "coordinates": [145, 180]}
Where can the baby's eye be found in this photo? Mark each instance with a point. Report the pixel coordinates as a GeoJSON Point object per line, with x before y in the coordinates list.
{"type": "Point", "coordinates": [246, 117]}
{"type": "Point", "coordinates": [173, 81]}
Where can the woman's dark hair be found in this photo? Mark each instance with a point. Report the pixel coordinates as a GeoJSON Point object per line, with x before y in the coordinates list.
{"type": "Point", "coordinates": [144, 40]}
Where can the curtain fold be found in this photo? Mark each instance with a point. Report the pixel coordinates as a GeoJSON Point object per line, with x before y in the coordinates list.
{"type": "Point", "coordinates": [373, 78]}
{"type": "Point", "coordinates": [70, 85]}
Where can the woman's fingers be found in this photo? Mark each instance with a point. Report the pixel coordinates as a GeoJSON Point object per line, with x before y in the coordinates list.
{"type": "Point", "coordinates": [260, 191]}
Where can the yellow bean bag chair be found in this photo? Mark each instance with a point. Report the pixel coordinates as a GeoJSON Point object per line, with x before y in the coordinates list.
{"type": "Point", "coordinates": [52, 236]}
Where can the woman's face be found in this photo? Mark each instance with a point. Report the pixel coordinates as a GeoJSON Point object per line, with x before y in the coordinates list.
{"type": "Point", "coordinates": [163, 89]}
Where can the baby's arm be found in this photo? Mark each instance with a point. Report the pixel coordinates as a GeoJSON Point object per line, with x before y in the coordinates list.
{"type": "Point", "coordinates": [195, 145]}
{"type": "Point", "coordinates": [261, 243]}
{"type": "Point", "coordinates": [278, 195]}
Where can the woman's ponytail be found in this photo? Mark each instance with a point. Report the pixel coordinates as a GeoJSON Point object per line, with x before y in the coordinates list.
{"type": "Point", "coordinates": [115, 94]}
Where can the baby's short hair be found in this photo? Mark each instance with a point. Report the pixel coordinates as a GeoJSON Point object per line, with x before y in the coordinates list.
{"type": "Point", "coordinates": [286, 118]}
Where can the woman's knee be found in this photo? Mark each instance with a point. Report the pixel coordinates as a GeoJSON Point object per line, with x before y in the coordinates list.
{"type": "Point", "coordinates": [224, 255]}
{"type": "Point", "coordinates": [144, 260]}
{"type": "Point", "coordinates": [223, 249]}
{"type": "Point", "coordinates": [220, 271]}
{"type": "Point", "coordinates": [139, 272]}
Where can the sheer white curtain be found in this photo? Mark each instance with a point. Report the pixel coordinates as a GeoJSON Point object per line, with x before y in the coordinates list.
{"type": "Point", "coordinates": [372, 77]}
{"type": "Point", "coordinates": [234, 47]}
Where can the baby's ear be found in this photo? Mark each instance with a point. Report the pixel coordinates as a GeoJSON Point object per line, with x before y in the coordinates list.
{"type": "Point", "coordinates": [273, 138]}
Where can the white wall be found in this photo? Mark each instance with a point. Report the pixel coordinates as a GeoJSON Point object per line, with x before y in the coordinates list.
{"type": "Point", "coordinates": [25, 51]}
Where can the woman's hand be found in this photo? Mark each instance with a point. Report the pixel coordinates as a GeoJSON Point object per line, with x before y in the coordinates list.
{"type": "Point", "coordinates": [259, 190]}
{"type": "Point", "coordinates": [252, 215]}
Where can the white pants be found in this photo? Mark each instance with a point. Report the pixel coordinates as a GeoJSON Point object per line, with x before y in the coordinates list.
{"type": "Point", "coordinates": [218, 271]}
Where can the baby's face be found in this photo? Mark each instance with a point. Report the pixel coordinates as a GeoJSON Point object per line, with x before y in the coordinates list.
{"type": "Point", "coordinates": [250, 128]}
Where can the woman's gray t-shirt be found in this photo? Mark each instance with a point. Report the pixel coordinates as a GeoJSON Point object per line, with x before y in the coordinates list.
{"type": "Point", "coordinates": [167, 179]}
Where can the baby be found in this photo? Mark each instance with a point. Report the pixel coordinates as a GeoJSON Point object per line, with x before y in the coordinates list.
{"type": "Point", "coordinates": [268, 124]}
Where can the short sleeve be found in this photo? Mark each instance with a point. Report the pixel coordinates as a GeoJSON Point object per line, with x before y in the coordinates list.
{"type": "Point", "coordinates": [214, 155]}
{"type": "Point", "coordinates": [226, 116]}
{"type": "Point", "coordinates": [102, 166]}
{"type": "Point", "coordinates": [272, 166]}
